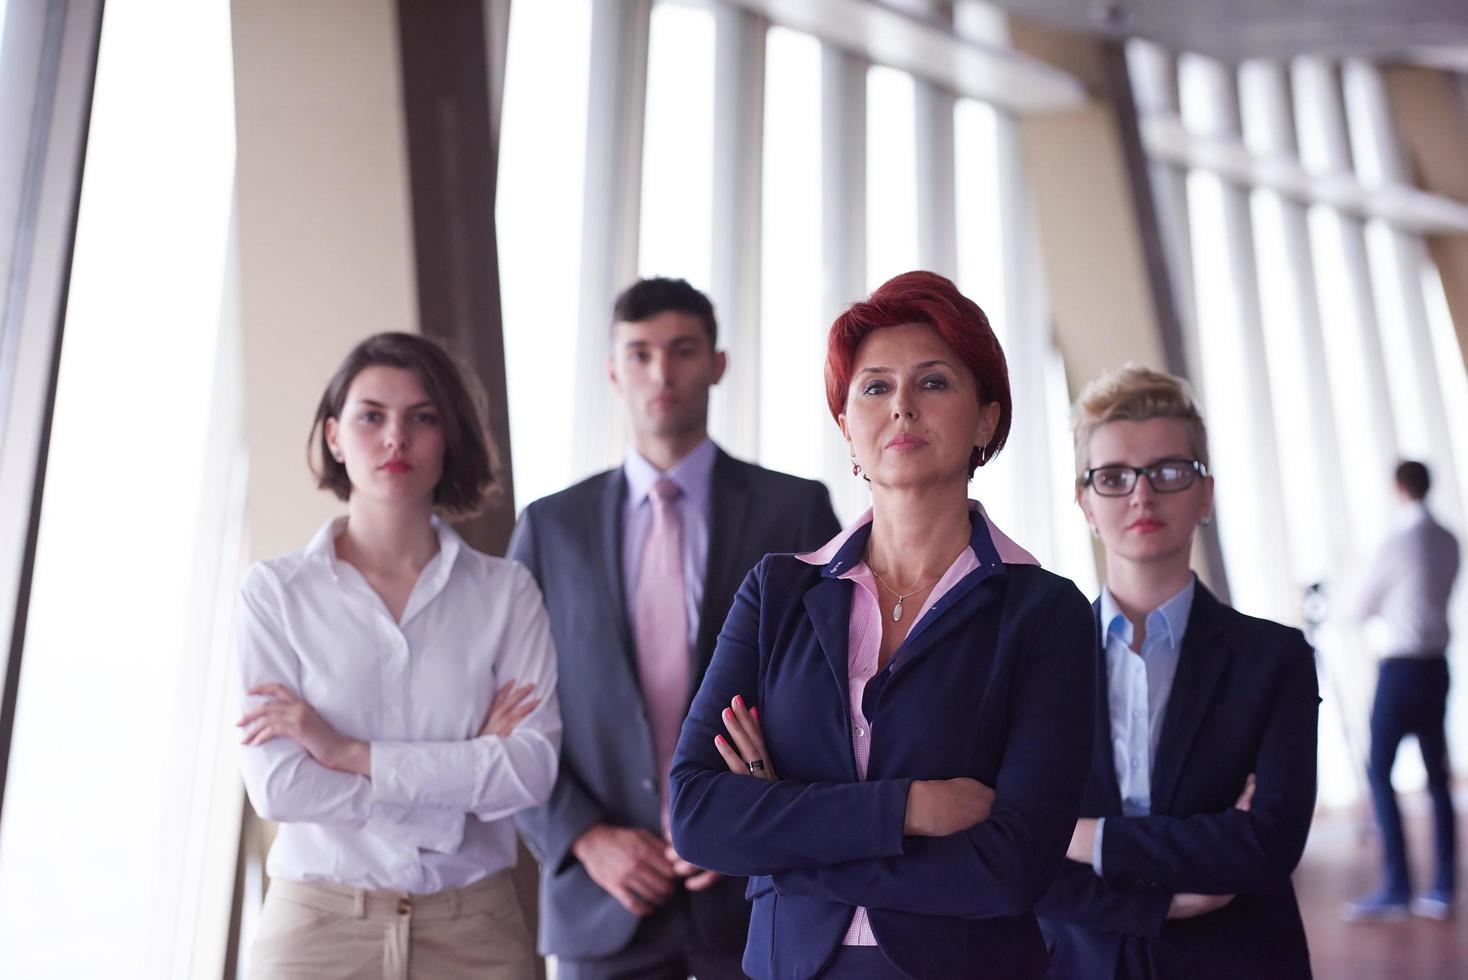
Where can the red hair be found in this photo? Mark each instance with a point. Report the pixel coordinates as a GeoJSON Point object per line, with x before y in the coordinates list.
{"type": "Point", "coordinates": [924, 297]}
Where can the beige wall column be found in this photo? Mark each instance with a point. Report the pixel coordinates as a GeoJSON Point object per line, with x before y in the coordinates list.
{"type": "Point", "coordinates": [1109, 289]}
{"type": "Point", "coordinates": [325, 229]}
{"type": "Point", "coordinates": [1430, 112]}
{"type": "Point", "coordinates": [1095, 265]}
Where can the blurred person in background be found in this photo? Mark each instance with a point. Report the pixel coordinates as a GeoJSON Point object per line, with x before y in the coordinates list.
{"type": "Point", "coordinates": [1405, 595]}
{"type": "Point", "coordinates": [639, 565]}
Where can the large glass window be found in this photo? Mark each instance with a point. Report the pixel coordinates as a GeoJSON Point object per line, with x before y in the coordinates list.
{"type": "Point", "coordinates": [676, 234]}
{"type": "Point", "coordinates": [538, 217]}
{"type": "Point", "coordinates": [980, 212]}
{"type": "Point", "coordinates": [793, 415]}
{"type": "Point", "coordinates": [892, 228]}
{"type": "Point", "coordinates": [121, 769]}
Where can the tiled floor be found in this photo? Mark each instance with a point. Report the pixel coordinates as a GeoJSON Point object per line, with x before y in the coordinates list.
{"type": "Point", "coordinates": [1341, 863]}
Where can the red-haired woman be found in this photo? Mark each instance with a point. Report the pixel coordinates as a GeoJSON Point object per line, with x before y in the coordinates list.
{"type": "Point", "coordinates": [399, 692]}
{"type": "Point", "coordinates": [924, 690]}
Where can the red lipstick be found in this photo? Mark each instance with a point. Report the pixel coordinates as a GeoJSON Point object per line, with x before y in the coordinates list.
{"type": "Point", "coordinates": [905, 442]}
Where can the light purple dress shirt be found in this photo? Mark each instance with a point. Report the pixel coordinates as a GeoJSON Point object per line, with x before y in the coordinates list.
{"type": "Point", "coordinates": [694, 475]}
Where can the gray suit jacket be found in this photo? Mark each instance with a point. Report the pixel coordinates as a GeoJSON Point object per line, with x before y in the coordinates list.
{"type": "Point", "coordinates": [572, 543]}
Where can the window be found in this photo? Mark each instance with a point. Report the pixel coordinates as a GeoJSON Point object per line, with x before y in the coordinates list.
{"type": "Point", "coordinates": [676, 236]}
{"type": "Point", "coordinates": [794, 421]}
{"type": "Point", "coordinates": [538, 215]}
{"type": "Point", "coordinates": [892, 229]}
{"type": "Point", "coordinates": [122, 783]}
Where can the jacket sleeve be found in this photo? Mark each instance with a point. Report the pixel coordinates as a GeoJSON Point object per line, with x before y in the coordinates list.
{"type": "Point", "coordinates": [283, 782]}
{"type": "Point", "coordinates": [1078, 897]}
{"type": "Point", "coordinates": [1001, 866]}
{"type": "Point", "coordinates": [490, 776]}
{"type": "Point", "coordinates": [1236, 851]}
{"type": "Point", "coordinates": [742, 826]}
{"type": "Point", "coordinates": [569, 810]}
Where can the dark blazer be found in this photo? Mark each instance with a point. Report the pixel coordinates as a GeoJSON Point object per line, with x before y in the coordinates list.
{"type": "Point", "coordinates": [995, 683]}
{"type": "Point", "coordinates": [572, 543]}
{"type": "Point", "coordinates": [1244, 700]}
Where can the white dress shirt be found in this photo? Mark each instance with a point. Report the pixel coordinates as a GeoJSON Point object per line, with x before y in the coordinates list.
{"type": "Point", "coordinates": [1138, 688]}
{"type": "Point", "coordinates": [435, 812]}
{"type": "Point", "coordinates": [694, 475]}
{"type": "Point", "coordinates": [1407, 586]}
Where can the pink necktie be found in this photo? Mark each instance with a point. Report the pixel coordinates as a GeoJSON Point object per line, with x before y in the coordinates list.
{"type": "Point", "coordinates": [662, 629]}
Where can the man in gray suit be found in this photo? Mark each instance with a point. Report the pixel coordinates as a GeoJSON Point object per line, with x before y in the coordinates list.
{"type": "Point", "coordinates": [639, 566]}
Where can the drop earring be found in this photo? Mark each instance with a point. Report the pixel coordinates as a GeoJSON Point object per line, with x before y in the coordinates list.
{"type": "Point", "coordinates": [855, 467]}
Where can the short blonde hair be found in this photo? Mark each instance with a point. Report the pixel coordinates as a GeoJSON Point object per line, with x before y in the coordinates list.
{"type": "Point", "coordinates": [1135, 393]}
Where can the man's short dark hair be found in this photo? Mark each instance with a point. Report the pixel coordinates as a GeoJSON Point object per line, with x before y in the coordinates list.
{"type": "Point", "coordinates": [646, 298]}
{"type": "Point", "coordinates": [1414, 479]}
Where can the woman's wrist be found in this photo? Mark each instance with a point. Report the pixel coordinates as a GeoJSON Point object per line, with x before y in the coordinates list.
{"type": "Point", "coordinates": [353, 756]}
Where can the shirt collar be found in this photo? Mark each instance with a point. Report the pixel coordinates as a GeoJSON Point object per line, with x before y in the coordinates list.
{"type": "Point", "coordinates": [694, 474]}
{"type": "Point", "coordinates": [323, 545]}
{"type": "Point", "coordinates": [1168, 621]}
{"type": "Point", "coordinates": [1409, 513]}
{"type": "Point", "coordinates": [990, 545]}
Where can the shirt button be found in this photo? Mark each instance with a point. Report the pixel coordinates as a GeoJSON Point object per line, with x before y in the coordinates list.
{"type": "Point", "coordinates": [1137, 714]}
{"type": "Point", "coordinates": [860, 732]}
{"type": "Point", "coordinates": [1136, 763]}
{"type": "Point", "coordinates": [649, 785]}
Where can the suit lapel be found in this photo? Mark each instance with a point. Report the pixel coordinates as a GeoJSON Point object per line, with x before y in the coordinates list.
{"type": "Point", "coordinates": [828, 604]}
{"type": "Point", "coordinates": [1103, 765]}
{"type": "Point", "coordinates": [728, 511]}
{"type": "Point", "coordinates": [1201, 664]}
{"type": "Point", "coordinates": [916, 644]}
{"type": "Point", "coordinates": [614, 497]}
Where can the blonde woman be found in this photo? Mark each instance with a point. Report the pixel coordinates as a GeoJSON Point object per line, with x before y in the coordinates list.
{"type": "Point", "coordinates": [1203, 781]}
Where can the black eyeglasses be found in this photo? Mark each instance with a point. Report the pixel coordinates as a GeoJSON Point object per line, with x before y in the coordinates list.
{"type": "Point", "coordinates": [1165, 476]}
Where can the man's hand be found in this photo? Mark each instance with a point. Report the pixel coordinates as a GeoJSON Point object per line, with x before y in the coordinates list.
{"type": "Point", "coordinates": [629, 863]}
{"type": "Point", "coordinates": [695, 879]}
{"type": "Point", "coordinates": [1082, 841]}
{"type": "Point", "coordinates": [939, 807]}
{"type": "Point", "coordinates": [285, 715]}
{"type": "Point", "coordinates": [1187, 906]}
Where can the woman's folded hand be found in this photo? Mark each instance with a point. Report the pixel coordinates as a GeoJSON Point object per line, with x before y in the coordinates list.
{"type": "Point", "coordinates": [939, 807]}
{"type": "Point", "coordinates": [747, 754]}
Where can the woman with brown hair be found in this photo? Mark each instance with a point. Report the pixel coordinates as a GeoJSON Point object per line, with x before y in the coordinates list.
{"type": "Point", "coordinates": [399, 694]}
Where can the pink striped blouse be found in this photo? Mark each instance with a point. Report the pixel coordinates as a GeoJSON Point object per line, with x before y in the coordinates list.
{"type": "Point", "coordinates": [864, 643]}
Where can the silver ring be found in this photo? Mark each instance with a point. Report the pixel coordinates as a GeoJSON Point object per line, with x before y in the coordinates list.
{"type": "Point", "coordinates": [758, 765]}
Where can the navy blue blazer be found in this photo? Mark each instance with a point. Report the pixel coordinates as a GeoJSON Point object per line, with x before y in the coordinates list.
{"type": "Point", "coordinates": [1244, 700]}
{"type": "Point", "coordinates": [572, 543]}
{"type": "Point", "coordinates": [996, 683]}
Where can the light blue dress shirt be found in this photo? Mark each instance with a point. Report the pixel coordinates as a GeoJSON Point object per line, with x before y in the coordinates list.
{"type": "Point", "coordinates": [694, 475]}
{"type": "Point", "coordinates": [1138, 686]}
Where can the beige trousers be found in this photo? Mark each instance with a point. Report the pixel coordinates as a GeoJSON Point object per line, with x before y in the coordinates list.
{"type": "Point", "coordinates": [321, 931]}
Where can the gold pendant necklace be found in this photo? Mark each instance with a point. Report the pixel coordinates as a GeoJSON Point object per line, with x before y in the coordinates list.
{"type": "Point", "coordinates": [901, 597]}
